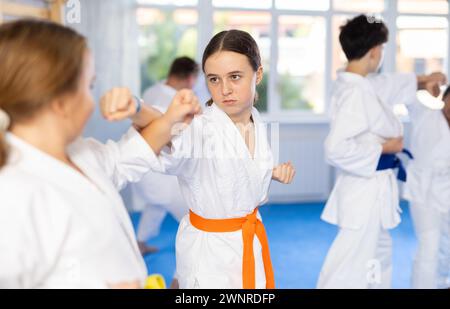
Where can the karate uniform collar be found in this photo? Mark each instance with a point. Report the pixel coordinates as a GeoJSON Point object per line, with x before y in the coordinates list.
{"type": "Point", "coordinates": [263, 153]}
{"type": "Point", "coordinates": [350, 77]}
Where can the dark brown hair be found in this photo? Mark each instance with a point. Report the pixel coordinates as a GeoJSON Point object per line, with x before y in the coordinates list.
{"type": "Point", "coordinates": [39, 61]}
{"type": "Point", "coordinates": [361, 34]}
{"type": "Point", "coordinates": [446, 92]}
{"type": "Point", "coordinates": [236, 41]}
{"type": "Point", "coordinates": [183, 67]}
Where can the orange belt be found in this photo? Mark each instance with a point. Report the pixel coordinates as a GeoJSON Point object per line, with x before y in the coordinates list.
{"type": "Point", "coordinates": [250, 225]}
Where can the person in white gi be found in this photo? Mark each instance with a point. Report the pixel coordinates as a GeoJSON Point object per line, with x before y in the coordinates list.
{"type": "Point", "coordinates": [156, 194]}
{"type": "Point", "coordinates": [224, 166]}
{"type": "Point", "coordinates": [428, 191]}
{"type": "Point", "coordinates": [63, 223]}
{"type": "Point", "coordinates": [364, 202]}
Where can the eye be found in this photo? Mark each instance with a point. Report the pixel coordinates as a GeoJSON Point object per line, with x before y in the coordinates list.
{"type": "Point", "coordinates": [235, 77]}
{"type": "Point", "coordinates": [213, 80]}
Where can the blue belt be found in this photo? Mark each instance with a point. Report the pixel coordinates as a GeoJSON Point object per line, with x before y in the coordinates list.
{"type": "Point", "coordinates": [392, 161]}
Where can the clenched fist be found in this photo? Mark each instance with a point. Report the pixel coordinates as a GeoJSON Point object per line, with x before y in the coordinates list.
{"type": "Point", "coordinates": [284, 173]}
{"type": "Point", "coordinates": [393, 145]}
{"type": "Point", "coordinates": [183, 107]}
{"type": "Point", "coordinates": [432, 82]}
{"type": "Point", "coordinates": [118, 104]}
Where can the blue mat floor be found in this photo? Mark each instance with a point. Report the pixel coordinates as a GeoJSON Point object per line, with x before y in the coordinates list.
{"type": "Point", "coordinates": [299, 242]}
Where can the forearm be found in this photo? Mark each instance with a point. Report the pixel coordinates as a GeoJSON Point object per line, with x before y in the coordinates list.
{"type": "Point", "coordinates": [145, 116]}
{"type": "Point", "coordinates": [158, 133]}
{"type": "Point", "coordinates": [155, 128]}
{"type": "Point", "coordinates": [431, 82]}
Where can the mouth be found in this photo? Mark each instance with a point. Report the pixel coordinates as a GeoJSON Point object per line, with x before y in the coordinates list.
{"type": "Point", "coordinates": [229, 102]}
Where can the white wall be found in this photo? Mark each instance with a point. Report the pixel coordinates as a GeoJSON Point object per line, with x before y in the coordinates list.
{"type": "Point", "coordinates": [302, 144]}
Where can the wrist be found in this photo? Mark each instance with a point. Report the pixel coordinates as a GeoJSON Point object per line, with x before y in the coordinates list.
{"type": "Point", "coordinates": [421, 81]}
{"type": "Point", "coordinates": [168, 119]}
{"type": "Point", "coordinates": [386, 149]}
{"type": "Point", "coordinates": [138, 102]}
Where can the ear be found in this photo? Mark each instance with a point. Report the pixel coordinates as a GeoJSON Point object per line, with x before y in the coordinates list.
{"type": "Point", "coordinates": [60, 107]}
{"type": "Point", "coordinates": [376, 51]}
{"type": "Point", "coordinates": [259, 75]}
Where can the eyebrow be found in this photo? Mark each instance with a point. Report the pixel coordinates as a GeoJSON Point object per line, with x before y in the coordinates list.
{"type": "Point", "coordinates": [230, 73]}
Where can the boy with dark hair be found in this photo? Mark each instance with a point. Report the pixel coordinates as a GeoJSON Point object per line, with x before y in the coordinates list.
{"type": "Point", "coordinates": [360, 35]}
{"type": "Point", "coordinates": [184, 68]}
{"type": "Point", "coordinates": [365, 136]}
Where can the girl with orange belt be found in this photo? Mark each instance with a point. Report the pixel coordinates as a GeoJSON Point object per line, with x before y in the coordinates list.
{"type": "Point", "coordinates": [224, 166]}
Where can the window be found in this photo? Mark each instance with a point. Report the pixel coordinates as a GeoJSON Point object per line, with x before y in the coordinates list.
{"type": "Point", "coordinates": [319, 5]}
{"type": "Point", "coordinates": [359, 6]}
{"type": "Point", "coordinates": [248, 4]}
{"type": "Point", "coordinates": [422, 40]}
{"type": "Point", "coordinates": [301, 53]}
{"type": "Point", "coordinates": [164, 35]}
{"type": "Point", "coordinates": [421, 44]}
{"type": "Point", "coordinates": [338, 57]}
{"type": "Point", "coordinates": [423, 6]}
{"type": "Point", "coordinates": [298, 40]}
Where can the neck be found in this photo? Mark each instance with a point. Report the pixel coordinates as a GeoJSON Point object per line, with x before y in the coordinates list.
{"type": "Point", "coordinates": [358, 67]}
{"type": "Point", "coordinates": [44, 137]}
{"type": "Point", "coordinates": [243, 119]}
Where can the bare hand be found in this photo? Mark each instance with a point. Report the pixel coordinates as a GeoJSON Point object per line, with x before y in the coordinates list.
{"type": "Point", "coordinates": [284, 173]}
{"type": "Point", "coordinates": [117, 104]}
{"type": "Point", "coordinates": [432, 82]}
{"type": "Point", "coordinates": [393, 145]}
{"type": "Point", "coordinates": [183, 107]}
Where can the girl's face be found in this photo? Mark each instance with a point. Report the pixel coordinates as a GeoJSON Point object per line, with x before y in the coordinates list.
{"type": "Point", "coordinates": [232, 82]}
{"type": "Point", "coordinates": [80, 105]}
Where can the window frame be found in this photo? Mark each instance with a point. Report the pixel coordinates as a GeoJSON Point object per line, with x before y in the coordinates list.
{"type": "Point", "coordinates": [274, 112]}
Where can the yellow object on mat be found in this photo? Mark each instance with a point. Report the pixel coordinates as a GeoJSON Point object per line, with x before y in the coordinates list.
{"type": "Point", "coordinates": [155, 281]}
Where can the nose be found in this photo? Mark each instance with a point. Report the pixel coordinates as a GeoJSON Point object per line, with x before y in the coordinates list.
{"type": "Point", "coordinates": [226, 88]}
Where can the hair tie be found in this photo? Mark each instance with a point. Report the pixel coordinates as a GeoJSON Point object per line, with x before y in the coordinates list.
{"type": "Point", "coordinates": [5, 120]}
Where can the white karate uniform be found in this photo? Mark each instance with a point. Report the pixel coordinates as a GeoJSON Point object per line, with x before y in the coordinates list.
{"type": "Point", "coordinates": [219, 180]}
{"type": "Point", "coordinates": [428, 190]}
{"type": "Point", "coordinates": [60, 229]}
{"type": "Point", "coordinates": [160, 94]}
{"type": "Point", "coordinates": [444, 256]}
{"type": "Point", "coordinates": [157, 194]}
{"type": "Point", "coordinates": [364, 202]}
